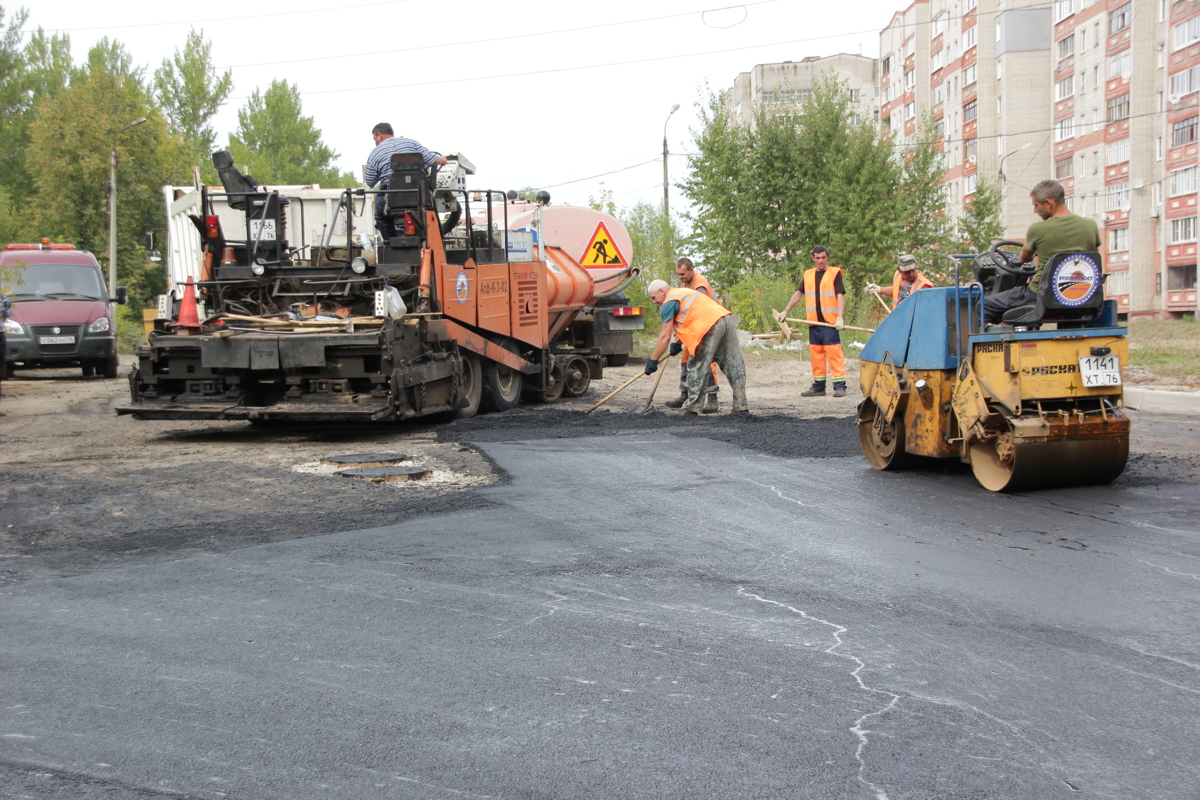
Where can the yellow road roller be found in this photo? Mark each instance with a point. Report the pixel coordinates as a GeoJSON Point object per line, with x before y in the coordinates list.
{"type": "Point", "coordinates": [1033, 402]}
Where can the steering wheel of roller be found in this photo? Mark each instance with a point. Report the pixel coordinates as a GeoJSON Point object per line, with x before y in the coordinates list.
{"type": "Point", "coordinates": [1007, 261]}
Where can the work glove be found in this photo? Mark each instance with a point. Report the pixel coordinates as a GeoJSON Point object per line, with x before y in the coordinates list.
{"type": "Point", "coordinates": [839, 324]}
{"type": "Point", "coordinates": [872, 288]}
{"type": "Point", "coordinates": [676, 348]}
{"type": "Point", "coordinates": [651, 366]}
{"type": "Point", "coordinates": [779, 315]}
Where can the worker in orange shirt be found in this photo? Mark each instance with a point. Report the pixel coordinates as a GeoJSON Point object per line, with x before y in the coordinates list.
{"type": "Point", "coordinates": [685, 270]}
{"type": "Point", "coordinates": [824, 296]}
{"type": "Point", "coordinates": [907, 280]}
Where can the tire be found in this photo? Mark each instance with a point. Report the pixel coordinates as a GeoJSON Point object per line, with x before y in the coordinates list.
{"type": "Point", "coordinates": [112, 367]}
{"type": "Point", "coordinates": [471, 386]}
{"type": "Point", "coordinates": [88, 368]}
{"type": "Point", "coordinates": [577, 378]}
{"type": "Point", "coordinates": [618, 359]}
{"type": "Point", "coordinates": [501, 384]}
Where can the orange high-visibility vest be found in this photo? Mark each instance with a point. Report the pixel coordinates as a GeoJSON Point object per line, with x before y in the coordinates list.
{"type": "Point", "coordinates": [826, 297]}
{"type": "Point", "coordinates": [700, 282]}
{"type": "Point", "coordinates": [697, 314]}
{"type": "Point", "coordinates": [920, 283]}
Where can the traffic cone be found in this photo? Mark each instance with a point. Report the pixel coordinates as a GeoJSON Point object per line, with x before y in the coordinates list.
{"type": "Point", "coordinates": [189, 314]}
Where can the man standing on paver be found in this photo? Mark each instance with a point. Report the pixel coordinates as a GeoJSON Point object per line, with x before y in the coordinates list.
{"type": "Point", "coordinates": [706, 329]}
{"type": "Point", "coordinates": [824, 296]}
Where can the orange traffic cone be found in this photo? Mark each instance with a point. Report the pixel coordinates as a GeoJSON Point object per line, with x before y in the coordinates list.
{"type": "Point", "coordinates": [189, 314]}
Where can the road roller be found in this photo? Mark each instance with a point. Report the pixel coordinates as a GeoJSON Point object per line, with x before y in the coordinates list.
{"type": "Point", "coordinates": [1033, 402]}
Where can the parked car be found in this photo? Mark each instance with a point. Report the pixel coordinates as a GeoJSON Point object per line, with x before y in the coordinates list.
{"type": "Point", "coordinates": [62, 313]}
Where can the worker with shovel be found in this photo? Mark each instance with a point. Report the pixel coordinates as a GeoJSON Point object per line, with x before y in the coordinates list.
{"type": "Point", "coordinates": [707, 331]}
{"type": "Point", "coordinates": [685, 270]}
{"type": "Point", "coordinates": [824, 296]}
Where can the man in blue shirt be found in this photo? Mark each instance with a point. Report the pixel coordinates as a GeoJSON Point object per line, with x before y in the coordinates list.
{"type": "Point", "coordinates": [379, 167]}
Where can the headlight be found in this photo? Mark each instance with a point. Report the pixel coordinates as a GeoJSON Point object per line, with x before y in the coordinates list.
{"type": "Point", "coordinates": [99, 326]}
{"type": "Point", "coordinates": [13, 328]}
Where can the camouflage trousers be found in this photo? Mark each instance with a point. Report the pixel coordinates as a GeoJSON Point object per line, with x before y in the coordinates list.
{"type": "Point", "coordinates": [720, 344]}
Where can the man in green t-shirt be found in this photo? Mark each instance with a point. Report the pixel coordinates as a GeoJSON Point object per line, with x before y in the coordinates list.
{"type": "Point", "coordinates": [1059, 231]}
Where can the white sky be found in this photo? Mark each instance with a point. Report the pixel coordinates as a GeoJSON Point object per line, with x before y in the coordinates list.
{"type": "Point", "coordinates": [538, 94]}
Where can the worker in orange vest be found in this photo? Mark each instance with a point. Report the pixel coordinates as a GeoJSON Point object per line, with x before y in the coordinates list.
{"type": "Point", "coordinates": [685, 270]}
{"type": "Point", "coordinates": [824, 296]}
{"type": "Point", "coordinates": [706, 330]}
{"type": "Point", "coordinates": [907, 280]}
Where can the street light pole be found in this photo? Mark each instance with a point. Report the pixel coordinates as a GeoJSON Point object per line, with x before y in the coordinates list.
{"type": "Point", "coordinates": [1003, 179]}
{"type": "Point", "coordinates": [666, 200]}
{"type": "Point", "coordinates": [112, 210]}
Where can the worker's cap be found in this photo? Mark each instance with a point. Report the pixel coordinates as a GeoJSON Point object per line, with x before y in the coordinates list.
{"type": "Point", "coordinates": [655, 285]}
{"type": "Point", "coordinates": [907, 262]}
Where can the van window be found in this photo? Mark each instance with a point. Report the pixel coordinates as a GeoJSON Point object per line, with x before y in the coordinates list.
{"type": "Point", "coordinates": [62, 281]}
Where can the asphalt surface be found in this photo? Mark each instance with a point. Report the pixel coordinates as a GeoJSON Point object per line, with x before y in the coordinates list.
{"type": "Point", "coordinates": [638, 611]}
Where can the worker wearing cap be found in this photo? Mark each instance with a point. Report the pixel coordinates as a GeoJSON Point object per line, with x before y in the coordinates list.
{"type": "Point", "coordinates": [685, 270]}
{"type": "Point", "coordinates": [824, 296]}
{"type": "Point", "coordinates": [706, 330]}
{"type": "Point", "coordinates": [907, 280]}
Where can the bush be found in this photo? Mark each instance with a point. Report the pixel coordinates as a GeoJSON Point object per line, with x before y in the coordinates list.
{"type": "Point", "coordinates": [129, 329]}
{"type": "Point", "coordinates": [754, 298]}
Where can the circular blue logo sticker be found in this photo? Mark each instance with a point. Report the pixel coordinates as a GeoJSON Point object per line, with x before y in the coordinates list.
{"type": "Point", "coordinates": [461, 286]}
{"type": "Point", "coordinates": [1076, 280]}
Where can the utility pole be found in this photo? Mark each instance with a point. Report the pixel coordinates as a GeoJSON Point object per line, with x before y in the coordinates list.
{"type": "Point", "coordinates": [112, 211]}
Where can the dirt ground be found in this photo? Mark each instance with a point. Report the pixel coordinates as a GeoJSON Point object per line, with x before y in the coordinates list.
{"type": "Point", "coordinates": [82, 489]}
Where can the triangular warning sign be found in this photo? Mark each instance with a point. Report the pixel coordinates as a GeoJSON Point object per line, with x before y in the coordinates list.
{"type": "Point", "coordinates": [602, 250]}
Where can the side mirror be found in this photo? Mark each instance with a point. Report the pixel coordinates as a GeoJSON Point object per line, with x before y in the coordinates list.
{"type": "Point", "coordinates": [122, 295]}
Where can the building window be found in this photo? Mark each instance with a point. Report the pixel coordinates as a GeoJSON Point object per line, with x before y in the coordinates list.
{"type": "Point", "coordinates": [1116, 283]}
{"type": "Point", "coordinates": [855, 96]}
{"type": "Point", "coordinates": [1187, 33]}
{"type": "Point", "coordinates": [910, 79]}
{"type": "Point", "coordinates": [970, 37]}
{"type": "Point", "coordinates": [1180, 278]}
{"type": "Point", "coordinates": [1183, 181]}
{"type": "Point", "coordinates": [1066, 47]}
{"type": "Point", "coordinates": [768, 96]}
{"type": "Point", "coordinates": [939, 127]}
{"type": "Point", "coordinates": [971, 150]}
{"type": "Point", "coordinates": [1064, 88]}
{"type": "Point", "coordinates": [1118, 240]}
{"type": "Point", "coordinates": [1118, 197]}
{"type": "Point", "coordinates": [1185, 82]}
{"type": "Point", "coordinates": [970, 111]}
{"type": "Point", "coordinates": [1118, 108]}
{"type": "Point", "coordinates": [1184, 131]}
{"type": "Point", "coordinates": [1119, 20]}
{"type": "Point", "coordinates": [887, 65]}
{"type": "Point", "coordinates": [1063, 9]}
{"type": "Point", "coordinates": [804, 95]}
{"type": "Point", "coordinates": [969, 182]}
{"type": "Point", "coordinates": [1118, 151]}
{"type": "Point", "coordinates": [1064, 167]}
{"type": "Point", "coordinates": [1183, 230]}
{"type": "Point", "coordinates": [939, 94]}
{"type": "Point", "coordinates": [910, 110]}
{"type": "Point", "coordinates": [969, 4]}
{"type": "Point", "coordinates": [1065, 129]}
{"type": "Point", "coordinates": [1118, 64]}
{"type": "Point", "coordinates": [939, 25]}
{"type": "Point", "coordinates": [970, 74]}
{"type": "Point", "coordinates": [937, 60]}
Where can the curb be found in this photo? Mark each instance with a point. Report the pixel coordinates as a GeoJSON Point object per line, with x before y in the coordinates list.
{"type": "Point", "coordinates": [1161, 401]}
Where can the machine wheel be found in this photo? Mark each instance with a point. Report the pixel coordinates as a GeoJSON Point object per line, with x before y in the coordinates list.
{"type": "Point", "coordinates": [112, 367]}
{"type": "Point", "coordinates": [88, 368]}
{"type": "Point", "coordinates": [470, 387]}
{"type": "Point", "coordinates": [553, 392]}
{"type": "Point", "coordinates": [882, 442]}
{"type": "Point", "coordinates": [501, 384]}
{"type": "Point", "coordinates": [577, 378]}
{"type": "Point", "coordinates": [1000, 465]}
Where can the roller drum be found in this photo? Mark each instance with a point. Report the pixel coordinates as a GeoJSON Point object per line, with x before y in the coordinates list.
{"type": "Point", "coordinates": [1002, 465]}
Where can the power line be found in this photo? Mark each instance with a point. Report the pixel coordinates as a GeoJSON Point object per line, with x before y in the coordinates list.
{"type": "Point", "coordinates": [602, 174]}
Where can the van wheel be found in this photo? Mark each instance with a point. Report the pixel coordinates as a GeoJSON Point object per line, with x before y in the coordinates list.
{"type": "Point", "coordinates": [111, 367]}
{"type": "Point", "coordinates": [88, 368]}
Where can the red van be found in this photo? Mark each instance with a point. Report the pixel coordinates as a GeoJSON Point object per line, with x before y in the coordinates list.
{"type": "Point", "coordinates": [61, 312]}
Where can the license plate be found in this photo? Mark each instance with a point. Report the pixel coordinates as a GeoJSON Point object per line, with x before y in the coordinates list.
{"type": "Point", "coordinates": [1100, 371]}
{"type": "Point", "coordinates": [56, 339]}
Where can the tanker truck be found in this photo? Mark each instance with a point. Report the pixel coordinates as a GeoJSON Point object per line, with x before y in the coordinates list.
{"type": "Point", "coordinates": [297, 310]}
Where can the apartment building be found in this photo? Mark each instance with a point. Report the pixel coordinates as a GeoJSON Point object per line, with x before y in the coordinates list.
{"type": "Point", "coordinates": [783, 88]}
{"type": "Point", "coordinates": [1104, 95]}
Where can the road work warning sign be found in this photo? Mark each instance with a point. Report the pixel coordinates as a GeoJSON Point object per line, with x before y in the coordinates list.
{"type": "Point", "coordinates": [602, 250]}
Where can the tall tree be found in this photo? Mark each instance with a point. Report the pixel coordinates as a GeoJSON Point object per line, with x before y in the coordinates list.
{"type": "Point", "coordinates": [980, 226]}
{"type": "Point", "coordinates": [190, 92]}
{"type": "Point", "coordinates": [277, 144]}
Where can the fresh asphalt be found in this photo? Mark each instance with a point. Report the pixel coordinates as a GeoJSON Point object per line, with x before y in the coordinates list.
{"type": "Point", "coordinates": [647, 614]}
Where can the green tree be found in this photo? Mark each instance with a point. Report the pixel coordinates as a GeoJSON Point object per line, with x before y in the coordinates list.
{"type": "Point", "coordinates": [980, 226]}
{"type": "Point", "coordinates": [190, 92]}
{"type": "Point", "coordinates": [276, 144]}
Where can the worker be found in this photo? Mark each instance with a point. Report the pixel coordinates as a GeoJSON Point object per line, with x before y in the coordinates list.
{"type": "Point", "coordinates": [685, 270]}
{"type": "Point", "coordinates": [379, 168]}
{"type": "Point", "coordinates": [907, 280]}
{"type": "Point", "coordinates": [1059, 231]}
{"type": "Point", "coordinates": [706, 330]}
{"type": "Point", "coordinates": [824, 295]}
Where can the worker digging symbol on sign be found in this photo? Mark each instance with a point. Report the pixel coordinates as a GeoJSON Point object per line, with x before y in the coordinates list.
{"type": "Point", "coordinates": [685, 270]}
{"type": "Point", "coordinates": [824, 296]}
{"type": "Point", "coordinates": [601, 248]}
{"type": "Point", "coordinates": [706, 329]}
{"type": "Point", "coordinates": [602, 251]}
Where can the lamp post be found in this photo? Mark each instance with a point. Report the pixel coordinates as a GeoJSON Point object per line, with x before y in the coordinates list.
{"type": "Point", "coordinates": [1006, 155]}
{"type": "Point", "coordinates": [666, 201]}
{"type": "Point", "coordinates": [112, 210]}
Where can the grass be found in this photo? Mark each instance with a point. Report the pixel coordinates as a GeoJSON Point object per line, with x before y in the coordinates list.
{"type": "Point", "coordinates": [1170, 348]}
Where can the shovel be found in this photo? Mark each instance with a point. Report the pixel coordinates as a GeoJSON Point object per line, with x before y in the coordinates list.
{"type": "Point", "coordinates": [646, 408]}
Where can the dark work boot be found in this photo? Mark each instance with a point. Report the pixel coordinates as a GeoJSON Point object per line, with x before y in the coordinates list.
{"type": "Point", "coordinates": [839, 390]}
{"type": "Point", "coordinates": [817, 390]}
{"type": "Point", "coordinates": [710, 404]}
{"type": "Point", "coordinates": [677, 403]}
